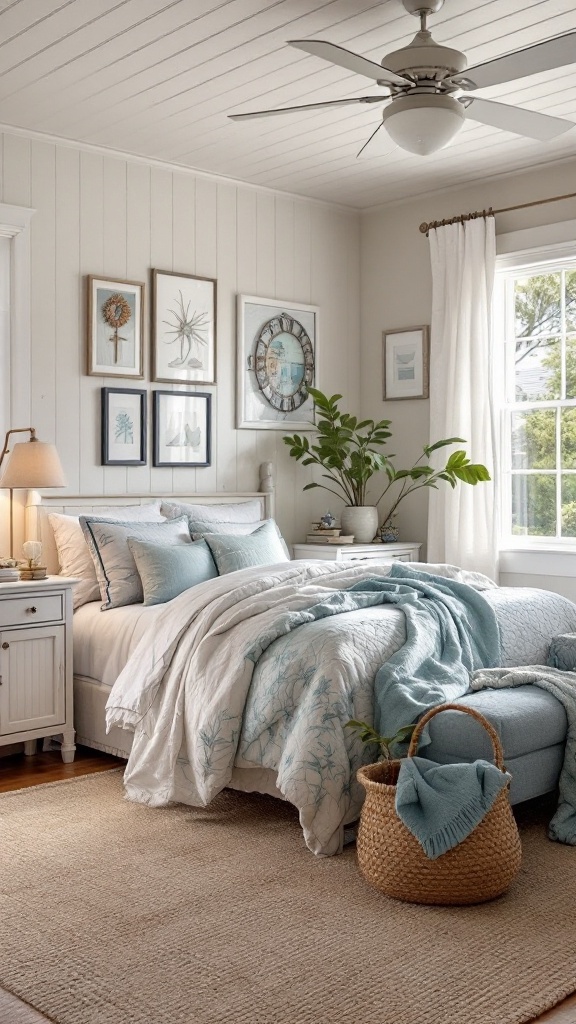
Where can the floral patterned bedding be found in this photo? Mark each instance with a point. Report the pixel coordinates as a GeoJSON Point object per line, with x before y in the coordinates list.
{"type": "Point", "coordinates": [226, 681]}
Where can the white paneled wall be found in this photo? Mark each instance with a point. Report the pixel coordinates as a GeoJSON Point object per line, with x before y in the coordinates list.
{"type": "Point", "coordinates": [105, 215]}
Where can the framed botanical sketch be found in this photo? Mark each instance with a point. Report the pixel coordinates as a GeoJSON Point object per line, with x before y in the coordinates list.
{"type": "Point", "coordinates": [182, 423]}
{"type": "Point", "coordinates": [123, 427]}
{"type": "Point", "coordinates": [277, 362]}
{"type": "Point", "coordinates": [183, 328]}
{"type": "Point", "coordinates": [405, 363]}
{"type": "Point", "coordinates": [115, 325]}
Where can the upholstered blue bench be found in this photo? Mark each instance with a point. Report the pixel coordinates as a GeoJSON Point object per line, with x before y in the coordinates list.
{"type": "Point", "coordinates": [532, 727]}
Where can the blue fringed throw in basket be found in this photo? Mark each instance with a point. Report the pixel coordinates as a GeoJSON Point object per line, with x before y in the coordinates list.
{"type": "Point", "coordinates": [441, 804]}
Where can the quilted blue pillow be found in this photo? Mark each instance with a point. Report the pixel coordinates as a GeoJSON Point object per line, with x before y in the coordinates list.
{"type": "Point", "coordinates": [263, 547]}
{"type": "Point", "coordinates": [166, 572]}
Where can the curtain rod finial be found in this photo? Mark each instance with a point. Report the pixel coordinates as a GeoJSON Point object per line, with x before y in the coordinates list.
{"type": "Point", "coordinates": [424, 228]}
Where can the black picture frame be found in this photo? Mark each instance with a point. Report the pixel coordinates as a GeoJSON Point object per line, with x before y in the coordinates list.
{"type": "Point", "coordinates": [126, 408]}
{"type": "Point", "coordinates": [182, 428]}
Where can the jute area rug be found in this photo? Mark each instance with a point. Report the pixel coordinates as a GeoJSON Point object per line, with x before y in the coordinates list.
{"type": "Point", "coordinates": [115, 913]}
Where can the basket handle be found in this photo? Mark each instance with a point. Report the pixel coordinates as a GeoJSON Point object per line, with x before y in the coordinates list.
{"type": "Point", "coordinates": [496, 744]}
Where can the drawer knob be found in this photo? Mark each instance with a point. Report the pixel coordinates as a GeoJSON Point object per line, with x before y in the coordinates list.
{"type": "Point", "coordinates": [5, 646]}
{"type": "Point", "coordinates": [32, 610]}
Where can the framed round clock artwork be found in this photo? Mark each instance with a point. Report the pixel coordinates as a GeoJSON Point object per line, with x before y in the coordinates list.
{"type": "Point", "coordinates": [277, 363]}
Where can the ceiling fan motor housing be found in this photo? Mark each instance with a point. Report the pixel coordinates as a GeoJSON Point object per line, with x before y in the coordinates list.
{"type": "Point", "coordinates": [424, 58]}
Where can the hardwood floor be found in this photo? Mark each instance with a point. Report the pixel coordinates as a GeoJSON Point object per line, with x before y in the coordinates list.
{"type": "Point", "coordinates": [18, 771]}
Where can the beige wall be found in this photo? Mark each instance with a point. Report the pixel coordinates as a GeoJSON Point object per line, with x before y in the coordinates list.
{"type": "Point", "coordinates": [99, 214]}
{"type": "Point", "coordinates": [396, 290]}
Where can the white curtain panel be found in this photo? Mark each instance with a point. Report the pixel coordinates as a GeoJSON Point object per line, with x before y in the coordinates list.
{"type": "Point", "coordinates": [462, 526]}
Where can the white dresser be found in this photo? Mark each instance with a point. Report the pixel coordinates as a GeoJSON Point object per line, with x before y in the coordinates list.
{"type": "Point", "coordinates": [400, 551]}
{"type": "Point", "coordinates": [36, 663]}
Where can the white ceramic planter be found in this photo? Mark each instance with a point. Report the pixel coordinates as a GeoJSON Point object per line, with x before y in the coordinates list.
{"type": "Point", "coordinates": [361, 520]}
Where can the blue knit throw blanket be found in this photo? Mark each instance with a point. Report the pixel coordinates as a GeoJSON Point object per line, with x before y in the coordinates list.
{"type": "Point", "coordinates": [441, 804]}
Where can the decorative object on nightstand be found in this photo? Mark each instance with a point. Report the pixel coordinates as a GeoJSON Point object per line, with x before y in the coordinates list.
{"type": "Point", "coordinates": [31, 569]}
{"type": "Point", "coordinates": [33, 464]}
{"type": "Point", "coordinates": [349, 452]}
{"type": "Point", "coordinates": [388, 533]}
{"type": "Point", "coordinates": [36, 663]}
{"type": "Point", "coordinates": [8, 570]}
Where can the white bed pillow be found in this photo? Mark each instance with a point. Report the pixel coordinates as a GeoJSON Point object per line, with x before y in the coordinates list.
{"type": "Point", "coordinates": [74, 557]}
{"type": "Point", "coordinates": [234, 513]}
{"type": "Point", "coordinates": [116, 571]}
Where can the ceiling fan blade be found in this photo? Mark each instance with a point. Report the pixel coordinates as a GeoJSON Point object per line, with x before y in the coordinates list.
{"type": "Point", "coordinates": [530, 123]}
{"type": "Point", "coordinates": [552, 53]}
{"type": "Point", "coordinates": [307, 106]}
{"type": "Point", "coordinates": [346, 59]}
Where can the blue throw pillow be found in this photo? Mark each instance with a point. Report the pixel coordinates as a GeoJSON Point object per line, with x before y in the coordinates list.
{"type": "Point", "coordinates": [166, 572]}
{"type": "Point", "coordinates": [263, 547]}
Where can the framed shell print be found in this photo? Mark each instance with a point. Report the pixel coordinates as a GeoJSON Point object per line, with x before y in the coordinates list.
{"type": "Point", "coordinates": [277, 363]}
{"type": "Point", "coordinates": [182, 424]}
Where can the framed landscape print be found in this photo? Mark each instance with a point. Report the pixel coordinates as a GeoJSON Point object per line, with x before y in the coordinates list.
{"type": "Point", "coordinates": [277, 362]}
{"type": "Point", "coordinates": [115, 325]}
{"type": "Point", "coordinates": [183, 328]}
{"type": "Point", "coordinates": [123, 427]}
{"type": "Point", "coordinates": [405, 363]}
{"type": "Point", "coordinates": [182, 423]}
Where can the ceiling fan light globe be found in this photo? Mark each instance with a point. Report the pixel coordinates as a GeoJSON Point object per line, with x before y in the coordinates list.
{"type": "Point", "coordinates": [423, 124]}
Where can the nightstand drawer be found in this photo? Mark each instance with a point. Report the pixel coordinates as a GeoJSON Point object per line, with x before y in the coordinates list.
{"type": "Point", "coordinates": [31, 608]}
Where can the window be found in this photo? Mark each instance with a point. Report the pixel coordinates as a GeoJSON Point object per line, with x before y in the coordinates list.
{"type": "Point", "coordinates": [536, 336]}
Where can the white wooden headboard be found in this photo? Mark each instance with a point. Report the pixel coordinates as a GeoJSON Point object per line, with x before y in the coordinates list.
{"type": "Point", "coordinates": [38, 507]}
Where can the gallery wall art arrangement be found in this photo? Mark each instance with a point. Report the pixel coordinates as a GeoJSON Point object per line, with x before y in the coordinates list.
{"type": "Point", "coordinates": [277, 363]}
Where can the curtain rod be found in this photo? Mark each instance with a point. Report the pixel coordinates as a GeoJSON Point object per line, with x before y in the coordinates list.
{"type": "Point", "coordinates": [425, 228]}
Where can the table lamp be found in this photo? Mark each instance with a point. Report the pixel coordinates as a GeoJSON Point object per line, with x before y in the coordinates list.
{"type": "Point", "coordinates": [32, 464]}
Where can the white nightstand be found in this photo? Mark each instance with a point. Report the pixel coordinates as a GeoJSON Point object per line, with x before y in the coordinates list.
{"type": "Point", "coordinates": [401, 551]}
{"type": "Point", "coordinates": [36, 663]}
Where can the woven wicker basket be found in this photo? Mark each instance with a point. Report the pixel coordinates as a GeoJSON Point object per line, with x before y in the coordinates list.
{"type": "Point", "coordinates": [391, 858]}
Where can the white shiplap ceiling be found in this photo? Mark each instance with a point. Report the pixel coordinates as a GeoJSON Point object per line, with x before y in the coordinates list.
{"type": "Point", "coordinates": [158, 77]}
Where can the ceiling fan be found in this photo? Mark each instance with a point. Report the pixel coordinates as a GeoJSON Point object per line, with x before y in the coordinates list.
{"type": "Point", "coordinates": [430, 86]}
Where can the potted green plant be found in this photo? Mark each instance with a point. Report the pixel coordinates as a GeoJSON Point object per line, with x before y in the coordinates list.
{"type": "Point", "coordinates": [350, 451]}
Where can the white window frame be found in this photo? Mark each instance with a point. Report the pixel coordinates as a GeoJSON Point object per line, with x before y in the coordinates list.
{"type": "Point", "coordinates": [525, 252]}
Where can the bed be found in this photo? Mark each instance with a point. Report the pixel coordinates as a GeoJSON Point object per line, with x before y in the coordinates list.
{"type": "Point", "coordinates": [242, 682]}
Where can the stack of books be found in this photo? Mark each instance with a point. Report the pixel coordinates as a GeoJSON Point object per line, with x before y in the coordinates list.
{"type": "Point", "coordinates": [330, 536]}
{"type": "Point", "coordinates": [35, 572]}
{"type": "Point", "coordinates": [8, 575]}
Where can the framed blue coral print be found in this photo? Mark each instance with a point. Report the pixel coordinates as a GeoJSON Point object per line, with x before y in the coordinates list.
{"type": "Point", "coordinates": [123, 427]}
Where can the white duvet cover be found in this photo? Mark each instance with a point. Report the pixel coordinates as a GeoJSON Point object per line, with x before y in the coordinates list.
{"type": "Point", "coordinates": [224, 682]}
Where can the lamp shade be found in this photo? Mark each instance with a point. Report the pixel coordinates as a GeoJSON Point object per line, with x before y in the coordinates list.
{"type": "Point", "coordinates": [33, 464]}
{"type": "Point", "coordinates": [423, 124]}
